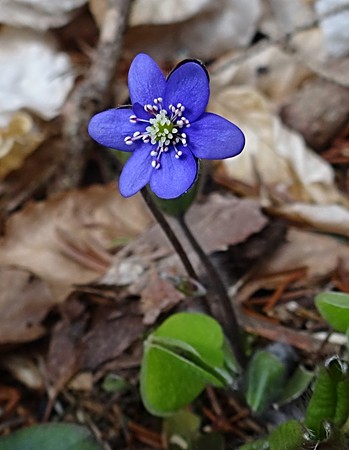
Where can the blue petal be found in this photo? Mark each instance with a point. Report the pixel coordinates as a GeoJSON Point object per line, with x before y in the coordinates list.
{"type": "Point", "coordinates": [136, 172]}
{"type": "Point", "coordinates": [175, 176]}
{"type": "Point", "coordinates": [110, 128]}
{"type": "Point", "coordinates": [145, 80]}
{"type": "Point", "coordinates": [213, 137]}
{"type": "Point", "coordinates": [189, 85]}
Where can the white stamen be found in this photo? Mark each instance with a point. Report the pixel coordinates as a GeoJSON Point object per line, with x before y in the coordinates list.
{"type": "Point", "coordinates": [163, 130]}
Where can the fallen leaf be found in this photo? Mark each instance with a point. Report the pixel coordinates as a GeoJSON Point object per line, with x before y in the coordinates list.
{"type": "Point", "coordinates": [320, 254]}
{"type": "Point", "coordinates": [34, 75]}
{"type": "Point", "coordinates": [108, 339]}
{"type": "Point", "coordinates": [158, 296]}
{"type": "Point", "coordinates": [24, 302]}
{"type": "Point", "coordinates": [327, 218]}
{"type": "Point", "coordinates": [184, 29]}
{"type": "Point", "coordinates": [18, 139]}
{"type": "Point", "coordinates": [64, 240]}
{"type": "Point", "coordinates": [234, 221]}
{"type": "Point", "coordinates": [277, 161]}
{"type": "Point", "coordinates": [334, 26]}
{"type": "Point", "coordinates": [38, 14]}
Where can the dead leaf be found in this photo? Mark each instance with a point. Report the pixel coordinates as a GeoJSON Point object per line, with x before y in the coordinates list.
{"type": "Point", "coordinates": [158, 296]}
{"type": "Point", "coordinates": [64, 239]}
{"type": "Point", "coordinates": [38, 14]}
{"type": "Point", "coordinates": [18, 139]}
{"type": "Point", "coordinates": [166, 29]}
{"type": "Point", "coordinates": [108, 339]}
{"type": "Point", "coordinates": [218, 223]}
{"type": "Point", "coordinates": [327, 218]}
{"type": "Point", "coordinates": [37, 77]}
{"type": "Point", "coordinates": [320, 254]}
{"type": "Point", "coordinates": [24, 302]}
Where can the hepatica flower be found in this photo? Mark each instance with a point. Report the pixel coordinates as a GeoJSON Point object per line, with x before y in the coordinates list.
{"type": "Point", "coordinates": [166, 128]}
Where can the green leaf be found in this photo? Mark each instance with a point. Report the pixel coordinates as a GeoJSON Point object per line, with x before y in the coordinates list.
{"type": "Point", "coordinates": [180, 358]}
{"type": "Point", "coordinates": [290, 435]}
{"type": "Point", "coordinates": [200, 331]}
{"type": "Point", "coordinates": [181, 429]}
{"type": "Point", "coordinates": [260, 444]}
{"type": "Point", "coordinates": [330, 399]}
{"type": "Point", "coordinates": [53, 436]}
{"type": "Point", "coordinates": [265, 377]}
{"type": "Point", "coordinates": [296, 385]}
{"type": "Point", "coordinates": [334, 308]}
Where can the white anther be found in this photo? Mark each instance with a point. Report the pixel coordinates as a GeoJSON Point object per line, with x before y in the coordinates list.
{"type": "Point", "coordinates": [153, 153]}
{"type": "Point", "coordinates": [133, 119]}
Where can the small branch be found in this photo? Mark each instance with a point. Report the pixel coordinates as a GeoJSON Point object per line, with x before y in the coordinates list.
{"type": "Point", "coordinates": [91, 95]}
{"type": "Point", "coordinates": [169, 233]}
{"type": "Point", "coordinates": [227, 316]}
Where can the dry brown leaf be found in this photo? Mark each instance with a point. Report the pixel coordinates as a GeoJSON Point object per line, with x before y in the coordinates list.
{"type": "Point", "coordinates": [17, 140]}
{"type": "Point", "coordinates": [218, 223]}
{"type": "Point", "coordinates": [24, 302]}
{"type": "Point", "coordinates": [278, 163]}
{"type": "Point", "coordinates": [319, 253]}
{"type": "Point", "coordinates": [63, 239]}
{"type": "Point", "coordinates": [164, 29]}
{"type": "Point", "coordinates": [158, 296]}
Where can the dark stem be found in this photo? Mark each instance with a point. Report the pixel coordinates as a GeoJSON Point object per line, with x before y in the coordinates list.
{"type": "Point", "coordinates": [226, 313]}
{"type": "Point", "coordinates": [169, 233]}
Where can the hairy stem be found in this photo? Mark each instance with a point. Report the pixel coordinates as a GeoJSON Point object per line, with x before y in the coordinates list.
{"type": "Point", "coordinates": [169, 233]}
{"type": "Point", "coordinates": [226, 313]}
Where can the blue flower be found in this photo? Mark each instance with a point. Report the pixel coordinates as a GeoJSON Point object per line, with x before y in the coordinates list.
{"type": "Point", "coordinates": [166, 129]}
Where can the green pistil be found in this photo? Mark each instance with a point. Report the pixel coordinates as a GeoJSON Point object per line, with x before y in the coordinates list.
{"type": "Point", "coordinates": [162, 129]}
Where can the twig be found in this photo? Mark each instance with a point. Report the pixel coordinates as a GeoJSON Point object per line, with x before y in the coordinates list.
{"type": "Point", "coordinates": [227, 316]}
{"type": "Point", "coordinates": [169, 233]}
{"type": "Point", "coordinates": [91, 95]}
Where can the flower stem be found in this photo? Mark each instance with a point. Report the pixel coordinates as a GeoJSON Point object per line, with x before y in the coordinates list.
{"type": "Point", "coordinates": [226, 313]}
{"type": "Point", "coordinates": [169, 233]}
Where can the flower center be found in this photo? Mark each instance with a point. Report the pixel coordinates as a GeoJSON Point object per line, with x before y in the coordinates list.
{"type": "Point", "coordinates": [164, 131]}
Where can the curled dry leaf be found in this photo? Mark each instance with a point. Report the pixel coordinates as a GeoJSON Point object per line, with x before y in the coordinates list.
{"type": "Point", "coordinates": [18, 139]}
{"type": "Point", "coordinates": [34, 75]}
{"type": "Point", "coordinates": [184, 29]}
{"type": "Point", "coordinates": [234, 220]}
{"type": "Point", "coordinates": [37, 14]}
{"type": "Point", "coordinates": [24, 302]}
{"type": "Point", "coordinates": [282, 16]}
{"type": "Point", "coordinates": [158, 296]}
{"type": "Point", "coordinates": [64, 239]}
{"type": "Point", "coordinates": [335, 26]}
{"type": "Point", "coordinates": [274, 72]}
{"type": "Point", "coordinates": [168, 11]}
{"type": "Point", "coordinates": [277, 162]}
{"type": "Point", "coordinates": [320, 254]}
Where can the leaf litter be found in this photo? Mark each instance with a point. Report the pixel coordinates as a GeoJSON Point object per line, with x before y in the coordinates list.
{"type": "Point", "coordinates": [85, 274]}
